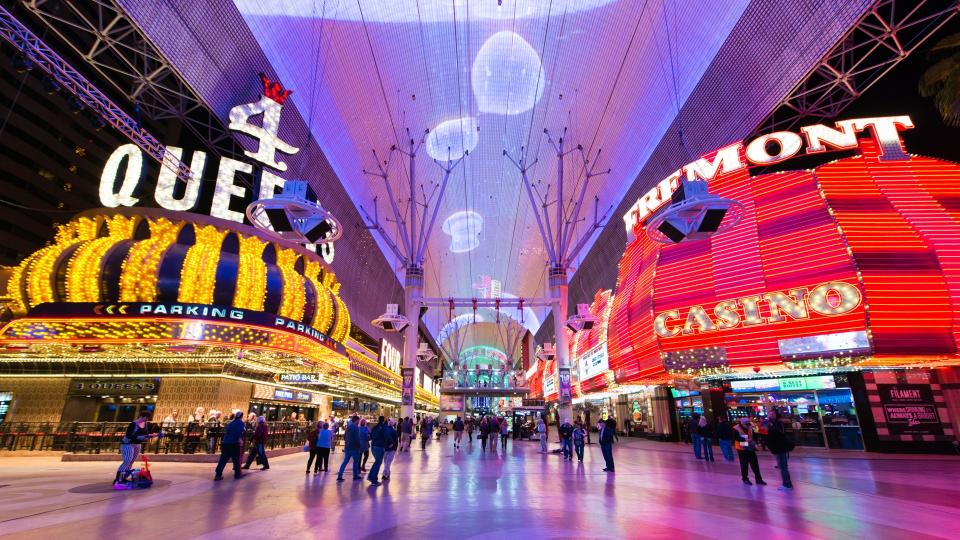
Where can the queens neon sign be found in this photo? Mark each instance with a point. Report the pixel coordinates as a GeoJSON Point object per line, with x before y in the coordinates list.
{"type": "Point", "coordinates": [774, 148]}
{"type": "Point", "coordinates": [123, 172]}
{"type": "Point", "coordinates": [827, 299]}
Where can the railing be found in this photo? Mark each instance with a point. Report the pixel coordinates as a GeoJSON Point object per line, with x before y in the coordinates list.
{"type": "Point", "coordinates": [104, 437]}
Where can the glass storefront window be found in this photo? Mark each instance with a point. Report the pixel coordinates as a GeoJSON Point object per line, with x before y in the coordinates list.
{"type": "Point", "coordinates": [821, 418]}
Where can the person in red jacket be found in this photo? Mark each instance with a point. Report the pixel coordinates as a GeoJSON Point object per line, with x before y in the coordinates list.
{"type": "Point", "coordinates": [259, 445]}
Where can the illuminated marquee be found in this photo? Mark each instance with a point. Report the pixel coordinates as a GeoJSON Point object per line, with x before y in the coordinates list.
{"type": "Point", "coordinates": [170, 195]}
{"type": "Point", "coordinates": [850, 261]}
{"type": "Point", "coordinates": [833, 298]}
{"type": "Point", "coordinates": [389, 356]}
{"type": "Point", "coordinates": [734, 157]}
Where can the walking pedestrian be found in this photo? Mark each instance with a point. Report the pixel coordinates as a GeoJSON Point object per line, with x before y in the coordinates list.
{"type": "Point", "coordinates": [258, 450]}
{"type": "Point", "coordinates": [504, 432]}
{"type": "Point", "coordinates": [231, 446]}
{"type": "Point", "coordinates": [320, 440]}
{"type": "Point", "coordinates": [406, 432]}
{"type": "Point", "coordinates": [470, 427]}
{"type": "Point", "coordinates": [130, 447]}
{"type": "Point", "coordinates": [725, 435]}
{"type": "Point", "coordinates": [390, 450]}
{"type": "Point", "coordinates": [780, 445]}
{"type": "Point", "coordinates": [746, 445]}
{"type": "Point", "coordinates": [484, 433]}
{"type": "Point", "coordinates": [457, 432]}
{"type": "Point", "coordinates": [378, 444]}
{"type": "Point", "coordinates": [579, 438]}
{"type": "Point", "coordinates": [351, 449]}
{"type": "Point", "coordinates": [542, 430]}
{"type": "Point", "coordinates": [426, 432]}
{"type": "Point", "coordinates": [313, 449]}
{"type": "Point", "coordinates": [693, 429]}
{"type": "Point", "coordinates": [364, 444]}
{"type": "Point", "coordinates": [607, 436]}
{"type": "Point", "coordinates": [566, 439]}
{"type": "Point", "coordinates": [705, 430]}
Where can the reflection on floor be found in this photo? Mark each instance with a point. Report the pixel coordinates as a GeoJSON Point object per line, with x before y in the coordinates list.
{"type": "Point", "coordinates": [658, 491]}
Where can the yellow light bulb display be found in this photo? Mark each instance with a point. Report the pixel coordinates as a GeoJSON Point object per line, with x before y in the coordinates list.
{"type": "Point", "coordinates": [251, 275]}
{"type": "Point", "coordinates": [199, 273]}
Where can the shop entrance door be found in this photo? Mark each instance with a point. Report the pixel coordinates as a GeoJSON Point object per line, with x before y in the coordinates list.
{"type": "Point", "coordinates": [841, 427]}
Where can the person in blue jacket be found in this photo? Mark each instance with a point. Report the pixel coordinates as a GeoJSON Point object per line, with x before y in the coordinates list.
{"type": "Point", "coordinates": [351, 449]}
{"type": "Point", "coordinates": [379, 438]}
{"type": "Point", "coordinates": [390, 450]}
{"type": "Point", "coordinates": [607, 435]}
{"type": "Point", "coordinates": [231, 445]}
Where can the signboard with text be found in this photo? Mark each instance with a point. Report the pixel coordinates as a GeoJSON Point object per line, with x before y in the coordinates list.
{"type": "Point", "coordinates": [177, 310]}
{"type": "Point", "coordinates": [114, 387]}
{"type": "Point", "coordinates": [564, 375]}
{"type": "Point", "coordinates": [910, 409]}
{"type": "Point", "coordinates": [408, 387]}
{"type": "Point", "coordinates": [301, 378]}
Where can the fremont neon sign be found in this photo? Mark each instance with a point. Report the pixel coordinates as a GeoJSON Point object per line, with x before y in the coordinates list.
{"type": "Point", "coordinates": [818, 138]}
{"type": "Point", "coordinates": [827, 299]}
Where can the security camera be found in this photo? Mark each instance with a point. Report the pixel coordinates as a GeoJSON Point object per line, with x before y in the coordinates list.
{"type": "Point", "coordinates": [391, 321]}
{"type": "Point", "coordinates": [583, 320]}
{"type": "Point", "coordinates": [424, 352]}
{"type": "Point", "coordinates": [546, 353]}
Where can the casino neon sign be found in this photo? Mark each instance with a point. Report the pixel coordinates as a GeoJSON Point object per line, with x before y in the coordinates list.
{"type": "Point", "coordinates": [819, 138]}
{"type": "Point", "coordinates": [827, 299]}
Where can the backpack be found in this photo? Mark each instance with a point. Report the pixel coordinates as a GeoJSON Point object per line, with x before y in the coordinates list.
{"type": "Point", "coordinates": [578, 436]}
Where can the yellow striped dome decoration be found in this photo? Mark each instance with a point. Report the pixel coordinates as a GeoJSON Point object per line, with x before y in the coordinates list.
{"type": "Point", "coordinates": [148, 257]}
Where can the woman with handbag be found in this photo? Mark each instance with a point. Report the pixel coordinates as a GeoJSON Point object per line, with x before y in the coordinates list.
{"type": "Point", "coordinates": [258, 448]}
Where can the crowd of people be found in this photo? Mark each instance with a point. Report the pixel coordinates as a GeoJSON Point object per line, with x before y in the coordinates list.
{"type": "Point", "coordinates": [746, 437]}
{"type": "Point", "coordinates": [387, 436]}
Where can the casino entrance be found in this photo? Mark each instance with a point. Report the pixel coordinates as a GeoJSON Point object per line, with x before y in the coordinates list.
{"type": "Point", "coordinates": [123, 400]}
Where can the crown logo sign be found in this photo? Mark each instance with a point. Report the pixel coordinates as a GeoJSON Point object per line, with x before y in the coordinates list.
{"type": "Point", "coordinates": [274, 90]}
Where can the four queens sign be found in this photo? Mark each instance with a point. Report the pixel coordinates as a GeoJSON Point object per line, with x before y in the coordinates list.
{"type": "Point", "coordinates": [124, 170]}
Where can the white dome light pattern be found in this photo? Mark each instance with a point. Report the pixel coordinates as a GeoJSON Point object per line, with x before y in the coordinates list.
{"type": "Point", "coordinates": [425, 11]}
{"type": "Point", "coordinates": [507, 75]}
{"type": "Point", "coordinates": [451, 138]}
{"type": "Point", "coordinates": [463, 228]}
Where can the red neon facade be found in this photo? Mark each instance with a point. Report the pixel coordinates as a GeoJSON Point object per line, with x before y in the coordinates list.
{"type": "Point", "coordinates": [889, 228]}
{"type": "Point", "coordinates": [585, 341]}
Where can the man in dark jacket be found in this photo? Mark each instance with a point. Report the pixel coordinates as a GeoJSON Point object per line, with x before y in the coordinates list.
{"type": "Point", "coordinates": [780, 445]}
{"type": "Point", "coordinates": [351, 449]}
{"type": "Point", "coordinates": [566, 439]}
{"type": "Point", "coordinates": [607, 436]}
{"type": "Point", "coordinates": [379, 439]}
{"type": "Point", "coordinates": [457, 432]}
{"type": "Point", "coordinates": [693, 429]}
{"type": "Point", "coordinates": [231, 445]}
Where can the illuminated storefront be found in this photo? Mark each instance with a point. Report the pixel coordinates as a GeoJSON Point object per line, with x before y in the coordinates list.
{"type": "Point", "coordinates": [139, 308]}
{"type": "Point", "coordinates": [848, 267]}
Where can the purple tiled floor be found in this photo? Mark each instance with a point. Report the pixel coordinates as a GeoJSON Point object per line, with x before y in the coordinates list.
{"type": "Point", "coordinates": [658, 491]}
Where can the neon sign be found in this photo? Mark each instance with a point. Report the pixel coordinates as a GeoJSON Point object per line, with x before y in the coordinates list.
{"type": "Point", "coordinates": [737, 156]}
{"type": "Point", "coordinates": [168, 192]}
{"type": "Point", "coordinates": [792, 282]}
{"type": "Point", "coordinates": [832, 298]}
